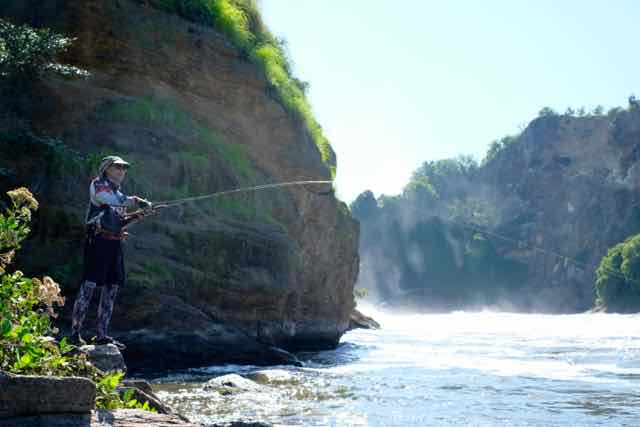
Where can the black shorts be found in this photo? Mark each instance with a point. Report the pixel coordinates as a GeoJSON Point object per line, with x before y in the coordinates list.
{"type": "Point", "coordinates": [103, 261]}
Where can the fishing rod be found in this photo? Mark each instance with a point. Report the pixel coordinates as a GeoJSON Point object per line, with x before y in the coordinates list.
{"type": "Point", "coordinates": [177, 202]}
{"type": "Point", "coordinates": [153, 207]}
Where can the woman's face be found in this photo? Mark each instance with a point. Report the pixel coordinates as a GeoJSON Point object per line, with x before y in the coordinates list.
{"type": "Point", "coordinates": [116, 173]}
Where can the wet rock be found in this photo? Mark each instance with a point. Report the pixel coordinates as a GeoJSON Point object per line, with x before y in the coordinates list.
{"type": "Point", "coordinates": [231, 384]}
{"type": "Point", "coordinates": [102, 418]}
{"type": "Point", "coordinates": [271, 376]}
{"type": "Point", "coordinates": [143, 397]}
{"type": "Point", "coordinates": [359, 320]}
{"type": "Point", "coordinates": [137, 417]}
{"type": "Point", "coordinates": [259, 377]}
{"type": "Point", "coordinates": [33, 395]}
{"type": "Point", "coordinates": [139, 384]}
{"type": "Point", "coordinates": [240, 424]}
{"type": "Point", "coordinates": [105, 357]}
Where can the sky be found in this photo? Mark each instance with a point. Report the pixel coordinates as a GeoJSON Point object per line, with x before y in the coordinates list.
{"type": "Point", "coordinates": [398, 83]}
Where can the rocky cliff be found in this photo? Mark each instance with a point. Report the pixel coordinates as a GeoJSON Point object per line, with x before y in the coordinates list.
{"type": "Point", "coordinates": [213, 281]}
{"type": "Point", "coordinates": [525, 231]}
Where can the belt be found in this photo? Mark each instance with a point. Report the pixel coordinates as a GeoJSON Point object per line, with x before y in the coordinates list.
{"type": "Point", "coordinates": [108, 235]}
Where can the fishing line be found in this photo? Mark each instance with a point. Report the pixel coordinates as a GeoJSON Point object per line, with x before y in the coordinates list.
{"type": "Point", "coordinates": [177, 202]}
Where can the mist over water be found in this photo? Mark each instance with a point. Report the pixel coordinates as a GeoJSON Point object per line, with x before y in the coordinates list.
{"type": "Point", "coordinates": [479, 369]}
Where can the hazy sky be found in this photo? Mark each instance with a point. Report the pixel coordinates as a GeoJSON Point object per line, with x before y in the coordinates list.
{"type": "Point", "coordinates": [396, 83]}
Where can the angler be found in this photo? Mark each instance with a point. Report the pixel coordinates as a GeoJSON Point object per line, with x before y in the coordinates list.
{"type": "Point", "coordinates": [106, 222]}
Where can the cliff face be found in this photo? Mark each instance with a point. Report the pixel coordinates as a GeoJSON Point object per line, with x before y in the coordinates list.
{"type": "Point", "coordinates": [215, 280]}
{"type": "Point", "coordinates": [525, 231]}
{"type": "Point", "coordinates": [569, 187]}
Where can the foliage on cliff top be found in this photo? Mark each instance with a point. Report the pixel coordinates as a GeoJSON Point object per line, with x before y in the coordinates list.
{"type": "Point", "coordinates": [618, 277]}
{"type": "Point", "coordinates": [241, 22]}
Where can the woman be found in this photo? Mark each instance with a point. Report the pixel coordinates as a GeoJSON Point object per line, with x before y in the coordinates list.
{"type": "Point", "coordinates": [103, 259]}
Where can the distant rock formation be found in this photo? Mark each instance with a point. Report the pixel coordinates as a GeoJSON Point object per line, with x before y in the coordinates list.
{"type": "Point", "coordinates": [549, 205]}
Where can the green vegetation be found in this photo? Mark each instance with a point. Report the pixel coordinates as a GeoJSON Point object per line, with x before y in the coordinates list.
{"type": "Point", "coordinates": [499, 146]}
{"type": "Point", "coordinates": [166, 114]}
{"type": "Point", "coordinates": [240, 21]}
{"type": "Point", "coordinates": [60, 159]}
{"type": "Point", "coordinates": [432, 235]}
{"type": "Point", "coordinates": [618, 277]}
{"type": "Point", "coordinates": [26, 53]}
{"type": "Point", "coordinates": [443, 178]}
{"type": "Point", "coordinates": [27, 305]}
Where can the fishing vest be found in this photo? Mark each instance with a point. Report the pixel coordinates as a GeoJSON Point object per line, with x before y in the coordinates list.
{"type": "Point", "coordinates": [107, 207]}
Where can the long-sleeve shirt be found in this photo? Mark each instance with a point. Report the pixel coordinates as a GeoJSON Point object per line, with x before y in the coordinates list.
{"type": "Point", "coordinates": [104, 192]}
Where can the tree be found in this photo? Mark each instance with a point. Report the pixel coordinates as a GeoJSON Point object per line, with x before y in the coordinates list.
{"type": "Point", "coordinates": [598, 110]}
{"type": "Point", "coordinates": [497, 146]}
{"type": "Point", "coordinates": [420, 193]}
{"type": "Point", "coordinates": [547, 112]}
{"type": "Point", "coordinates": [634, 104]}
{"type": "Point", "coordinates": [570, 112]}
{"type": "Point", "coordinates": [613, 112]}
{"type": "Point", "coordinates": [364, 207]}
{"type": "Point", "coordinates": [26, 53]}
{"type": "Point", "coordinates": [618, 277]}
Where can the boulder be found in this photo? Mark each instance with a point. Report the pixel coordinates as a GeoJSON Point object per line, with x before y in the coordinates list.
{"type": "Point", "coordinates": [34, 395]}
{"type": "Point", "coordinates": [105, 357]}
{"type": "Point", "coordinates": [152, 399]}
{"type": "Point", "coordinates": [139, 384]}
{"type": "Point", "coordinates": [137, 417]}
{"type": "Point", "coordinates": [241, 424]}
{"type": "Point", "coordinates": [232, 383]}
{"type": "Point", "coordinates": [359, 320]}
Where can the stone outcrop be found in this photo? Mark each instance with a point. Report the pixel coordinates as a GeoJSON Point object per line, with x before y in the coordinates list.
{"type": "Point", "coordinates": [39, 395]}
{"type": "Point", "coordinates": [362, 321]}
{"type": "Point", "coordinates": [569, 187]}
{"type": "Point", "coordinates": [232, 383]}
{"type": "Point", "coordinates": [105, 357]}
{"type": "Point", "coordinates": [103, 418]}
{"type": "Point", "coordinates": [221, 280]}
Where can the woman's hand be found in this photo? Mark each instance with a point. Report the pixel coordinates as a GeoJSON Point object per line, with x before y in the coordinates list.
{"type": "Point", "coordinates": [142, 202]}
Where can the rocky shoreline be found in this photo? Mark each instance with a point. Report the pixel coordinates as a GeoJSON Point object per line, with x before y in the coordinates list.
{"type": "Point", "coordinates": [30, 400]}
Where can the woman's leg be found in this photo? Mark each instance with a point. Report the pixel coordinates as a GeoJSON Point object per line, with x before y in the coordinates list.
{"type": "Point", "coordinates": [105, 309]}
{"type": "Point", "coordinates": [83, 299]}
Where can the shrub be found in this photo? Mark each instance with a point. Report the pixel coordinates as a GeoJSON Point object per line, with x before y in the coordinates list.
{"type": "Point", "coordinates": [618, 277]}
{"type": "Point", "coordinates": [26, 52]}
{"type": "Point", "coordinates": [27, 345]}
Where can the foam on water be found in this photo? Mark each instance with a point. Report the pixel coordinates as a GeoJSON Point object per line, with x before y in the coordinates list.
{"type": "Point", "coordinates": [479, 368]}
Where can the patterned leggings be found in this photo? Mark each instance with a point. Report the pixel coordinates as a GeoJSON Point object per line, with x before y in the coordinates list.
{"type": "Point", "coordinates": [105, 308]}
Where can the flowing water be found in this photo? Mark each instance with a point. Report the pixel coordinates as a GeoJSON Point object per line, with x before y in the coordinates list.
{"type": "Point", "coordinates": [473, 369]}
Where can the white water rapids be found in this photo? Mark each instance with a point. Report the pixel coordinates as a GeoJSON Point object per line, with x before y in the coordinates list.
{"type": "Point", "coordinates": [473, 369]}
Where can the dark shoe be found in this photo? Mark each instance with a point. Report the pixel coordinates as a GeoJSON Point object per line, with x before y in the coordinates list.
{"type": "Point", "coordinates": [76, 339]}
{"type": "Point", "coordinates": [109, 340]}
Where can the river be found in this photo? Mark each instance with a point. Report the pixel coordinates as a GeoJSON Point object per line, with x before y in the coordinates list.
{"type": "Point", "coordinates": [474, 369]}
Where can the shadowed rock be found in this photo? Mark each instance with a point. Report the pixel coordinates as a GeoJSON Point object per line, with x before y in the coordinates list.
{"type": "Point", "coordinates": [32, 395]}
